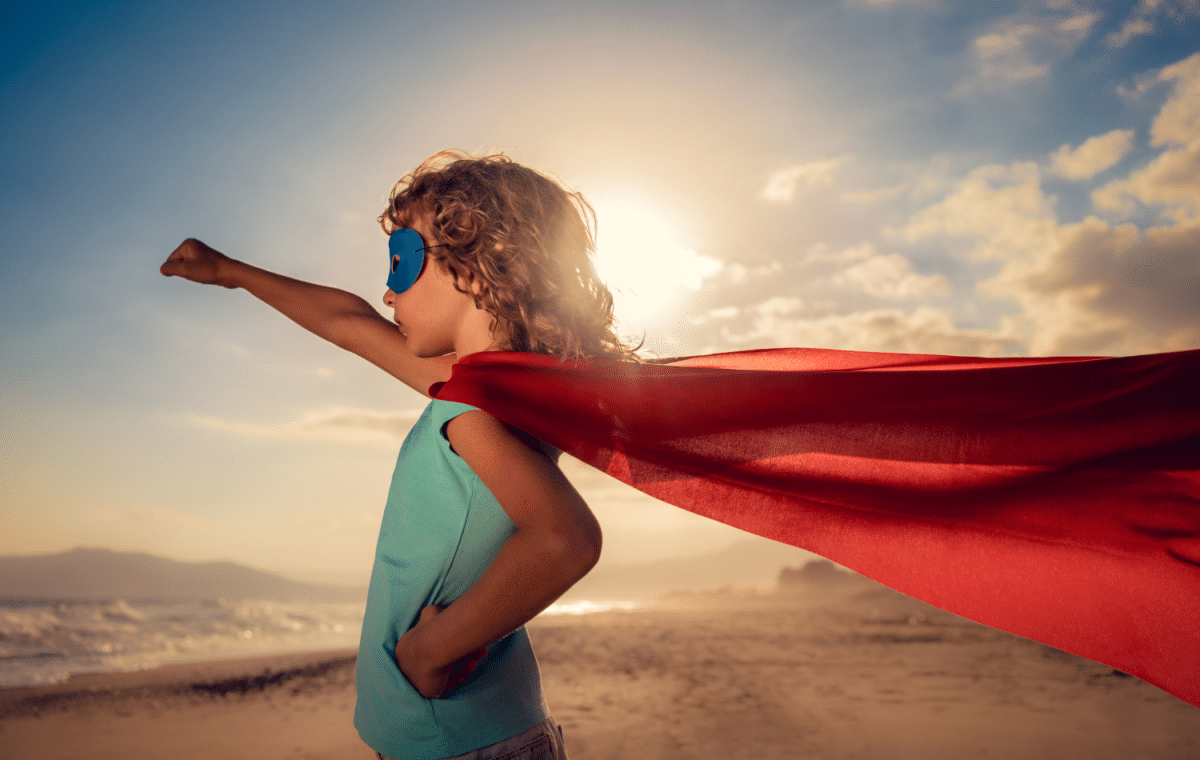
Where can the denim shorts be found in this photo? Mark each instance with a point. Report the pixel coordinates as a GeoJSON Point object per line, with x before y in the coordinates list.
{"type": "Point", "coordinates": [542, 742]}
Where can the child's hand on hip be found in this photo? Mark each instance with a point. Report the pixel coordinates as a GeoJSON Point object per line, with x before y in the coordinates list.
{"type": "Point", "coordinates": [422, 671]}
{"type": "Point", "coordinates": [197, 262]}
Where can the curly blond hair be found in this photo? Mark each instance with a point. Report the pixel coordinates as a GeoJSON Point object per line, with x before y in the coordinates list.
{"type": "Point", "coordinates": [526, 240]}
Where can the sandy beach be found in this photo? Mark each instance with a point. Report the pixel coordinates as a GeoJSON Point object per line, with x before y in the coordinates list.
{"type": "Point", "coordinates": [851, 671]}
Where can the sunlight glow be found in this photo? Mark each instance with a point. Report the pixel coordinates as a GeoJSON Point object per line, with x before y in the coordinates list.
{"type": "Point", "coordinates": [641, 257]}
{"type": "Point", "coordinates": [585, 607]}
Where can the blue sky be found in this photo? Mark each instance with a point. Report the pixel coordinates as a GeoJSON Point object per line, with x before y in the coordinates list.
{"type": "Point", "coordinates": [974, 178]}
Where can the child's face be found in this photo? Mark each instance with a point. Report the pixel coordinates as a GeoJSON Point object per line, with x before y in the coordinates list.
{"type": "Point", "coordinates": [433, 314]}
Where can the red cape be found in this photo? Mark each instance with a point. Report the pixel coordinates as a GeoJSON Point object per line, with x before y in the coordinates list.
{"type": "Point", "coordinates": [1058, 499]}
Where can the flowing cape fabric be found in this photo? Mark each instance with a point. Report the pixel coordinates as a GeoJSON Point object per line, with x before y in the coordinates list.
{"type": "Point", "coordinates": [1058, 499]}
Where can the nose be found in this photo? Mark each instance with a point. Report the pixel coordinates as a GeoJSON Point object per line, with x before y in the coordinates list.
{"type": "Point", "coordinates": [388, 297]}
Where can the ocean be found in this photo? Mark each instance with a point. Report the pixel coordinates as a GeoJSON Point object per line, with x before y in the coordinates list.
{"type": "Point", "coordinates": [46, 641]}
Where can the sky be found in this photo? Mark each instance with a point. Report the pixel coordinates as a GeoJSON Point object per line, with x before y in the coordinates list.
{"type": "Point", "coordinates": [1000, 179]}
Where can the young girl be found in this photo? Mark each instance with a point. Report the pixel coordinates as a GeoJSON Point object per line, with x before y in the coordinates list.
{"type": "Point", "coordinates": [481, 531]}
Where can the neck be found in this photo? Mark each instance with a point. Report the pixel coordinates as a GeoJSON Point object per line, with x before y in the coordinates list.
{"type": "Point", "coordinates": [475, 334]}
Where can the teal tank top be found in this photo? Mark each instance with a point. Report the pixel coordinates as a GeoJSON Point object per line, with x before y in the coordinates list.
{"type": "Point", "coordinates": [441, 529]}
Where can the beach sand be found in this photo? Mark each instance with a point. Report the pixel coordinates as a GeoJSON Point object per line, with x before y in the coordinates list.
{"type": "Point", "coordinates": [848, 671]}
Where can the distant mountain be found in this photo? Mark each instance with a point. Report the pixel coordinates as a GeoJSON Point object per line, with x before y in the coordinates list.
{"type": "Point", "coordinates": [819, 572]}
{"type": "Point", "coordinates": [756, 563]}
{"type": "Point", "coordinates": [104, 574]}
{"type": "Point", "coordinates": [85, 573]}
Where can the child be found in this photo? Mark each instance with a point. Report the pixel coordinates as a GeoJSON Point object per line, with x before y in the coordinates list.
{"type": "Point", "coordinates": [481, 531]}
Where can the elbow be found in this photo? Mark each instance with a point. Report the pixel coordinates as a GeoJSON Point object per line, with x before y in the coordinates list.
{"type": "Point", "coordinates": [589, 552]}
{"type": "Point", "coordinates": [578, 552]}
{"type": "Point", "coordinates": [590, 542]}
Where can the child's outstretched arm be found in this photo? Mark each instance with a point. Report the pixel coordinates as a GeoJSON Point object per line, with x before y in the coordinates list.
{"type": "Point", "coordinates": [556, 543]}
{"type": "Point", "coordinates": [342, 318]}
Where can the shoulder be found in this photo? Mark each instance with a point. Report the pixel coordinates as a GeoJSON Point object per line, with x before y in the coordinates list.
{"type": "Point", "coordinates": [469, 422]}
{"type": "Point", "coordinates": [515, 468]}
{"type": "Point", "coordinates": [442, 412]}
{"type": "Point", "coordinates": [472, 431]}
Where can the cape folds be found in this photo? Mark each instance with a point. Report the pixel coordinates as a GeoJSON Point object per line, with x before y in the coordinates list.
{"type": "Point", "coordinates": [1058, 499]}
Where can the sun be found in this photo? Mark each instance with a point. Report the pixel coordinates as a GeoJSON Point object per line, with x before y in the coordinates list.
{"type": "Point", "coordinates": [644, 261]}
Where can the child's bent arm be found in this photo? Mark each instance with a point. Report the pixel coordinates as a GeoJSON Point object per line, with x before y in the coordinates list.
{"type": "Point", "coordinates": [556, 543]}
{"type": "Point", "coordinates": [340, 317]}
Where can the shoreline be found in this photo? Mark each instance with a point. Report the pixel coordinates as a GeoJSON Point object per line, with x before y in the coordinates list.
{"type": "Point", "coordinates": [188, 680]}
{"type": "Point", "coordinates": [855, 671]}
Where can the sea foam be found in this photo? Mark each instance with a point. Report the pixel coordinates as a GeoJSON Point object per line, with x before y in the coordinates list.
{"type": "Point", "coordinates": [47, 641]}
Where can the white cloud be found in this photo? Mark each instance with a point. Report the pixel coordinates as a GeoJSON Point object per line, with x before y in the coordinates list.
{"type": "Point", "coordinates": [1091, 287]}
{"type": "Point", "coordinates": [1134, 27]}
{"type": "Point", "coordinates": [235, 349]}
{"type": "Point", "coordinates": [336, 424]}
{"type": "Point", "coordinates": [923, 330]}
{"type": "Point", "coordinates": [778, 306]}
{"type": "Point", "coordinates": [834, 281]}
{"type": "Point", "coordinates": [725, 312]}
{"type": "Point", "coordinates": [918, 181]}
{"type": "Point", "coordinates": [1146, 15]}
{"type": "Point", "coordinates": [1141, 84]}
{"type": "Point", "coordinates": [1003, 57]}
{"type": "Point", "coordinates": [1092, 157]}
{"type": "Point", "coordinates": [781, 186]}
{"type": "Point", "coordinates": [1079, 24]}
{"type": "Point", "coordinates": [1023, 47]}
{"type": "Point", "coordinates": [1105, 289]}
{"type": "Point", "coordinates": [823, 254]}
{"type": "Point", "coordinates": [1172, 179]}
{"type": "Point", "coordinates": [1178, 122]}
{"type": "Point", "coordinates": [1002, 206]}
{"type": "Point", "coordinates": [735, 273]}
{"type": "Point", "coordinates": [888, 276]}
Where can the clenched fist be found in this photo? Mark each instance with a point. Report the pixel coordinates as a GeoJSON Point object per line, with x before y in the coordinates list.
{"type": "Point", "coordinates": [195, 261]}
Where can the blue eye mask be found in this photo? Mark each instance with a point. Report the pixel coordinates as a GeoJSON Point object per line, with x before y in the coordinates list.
{"type": "Point", "coordinates": [406, 252]}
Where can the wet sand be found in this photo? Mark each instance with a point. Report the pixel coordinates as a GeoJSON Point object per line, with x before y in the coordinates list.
{"type": "Point", "coordinates": [853, 671]}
